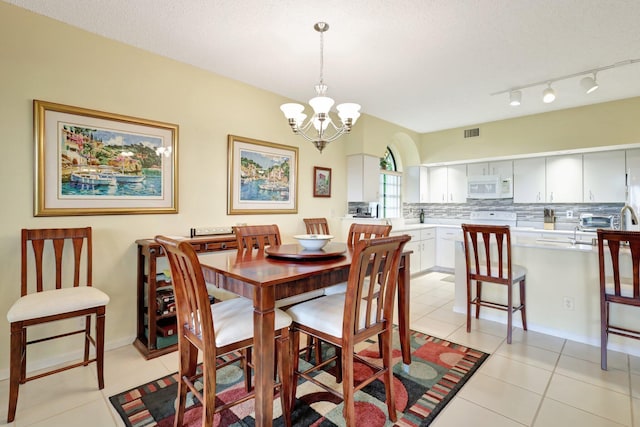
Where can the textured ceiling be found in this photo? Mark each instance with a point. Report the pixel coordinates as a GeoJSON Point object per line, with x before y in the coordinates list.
{"type": "Point", "coordinates": [426, 65]}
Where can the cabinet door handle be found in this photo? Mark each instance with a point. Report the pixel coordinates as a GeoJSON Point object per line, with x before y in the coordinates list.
{"type": "Point", "coordinates": [551, 197]}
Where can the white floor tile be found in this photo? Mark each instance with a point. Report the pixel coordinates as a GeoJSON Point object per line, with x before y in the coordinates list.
{"type": "Point", "coordinates": [589, 398]}
{"type": "Point", "coordinates": [461, 412]}
{"type": "Point", "coordinates": [589, 372]}
{"type": "Point", "coordinates": [553, 413]}
{"type": "Point", "coordinates": [516, 373]}
{"type": "Point", "coordinates": [533, 356]}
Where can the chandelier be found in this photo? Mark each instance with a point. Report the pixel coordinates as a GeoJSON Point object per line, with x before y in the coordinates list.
{"type": "Point", "coordinates": [320, 129]}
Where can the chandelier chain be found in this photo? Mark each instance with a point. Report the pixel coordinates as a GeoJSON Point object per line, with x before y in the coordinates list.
{"type": "Point", "coordinates": [322, 57]}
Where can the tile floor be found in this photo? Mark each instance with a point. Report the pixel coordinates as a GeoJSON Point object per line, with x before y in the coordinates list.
{"type": "Point", "coordinates": [539, 380]}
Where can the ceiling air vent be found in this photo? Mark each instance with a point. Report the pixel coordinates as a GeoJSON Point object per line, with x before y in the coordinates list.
{"type": "Point", "coordinates": [471, 133]}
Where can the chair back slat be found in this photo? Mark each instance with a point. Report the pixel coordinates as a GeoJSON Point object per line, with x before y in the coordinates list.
{"type": "Point", "coordinates": [55, 258]}
{"type": "Point", "coordinates": [193, 308]}
{"type": "Point", "coordinates": [366, 231]}
{"type": "Point", "coordinates": [372, 284]}
{"type": "Point", "coordinates": [316, 225]}
{"type": "Point", "coordinates": [257, 236]}
{"type": "Point", "coordinates": [488, 252]}
{"type": "Point", "coordinates": [614, 266]}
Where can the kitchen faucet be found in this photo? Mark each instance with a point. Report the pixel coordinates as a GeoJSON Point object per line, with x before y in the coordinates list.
{"type": "Point", "coordinates": [634, 217]}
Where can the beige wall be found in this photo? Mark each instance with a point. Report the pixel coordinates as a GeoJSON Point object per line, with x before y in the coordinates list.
{"type": "Point", "coordinates": [44, 59]}
{"type": "Point", "coordinates": [611, 123]}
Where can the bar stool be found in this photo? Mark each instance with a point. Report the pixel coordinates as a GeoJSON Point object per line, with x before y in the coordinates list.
{"type": "Point", "coordinates": [617, 285]}
{"type": "Point", "coordinates": [487, 251]}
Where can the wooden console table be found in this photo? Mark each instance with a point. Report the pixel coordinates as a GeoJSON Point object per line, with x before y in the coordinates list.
{"type": "Point", "coordinates": [148, 339]}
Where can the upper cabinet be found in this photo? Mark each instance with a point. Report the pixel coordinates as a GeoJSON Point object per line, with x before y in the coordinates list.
{"type": "Point", "coordinates": [564, 179]}
{"type": "Point", "coordinates": [604, 176]}
{"type": "Point", "coordinates": [363, 178]}
{"type": "Point", "coordinates": [416, 188]}
{"type": "Point", "coordinates": [502, 168]}
{"type": "Point", "coordinates": [448, 184]}
{"type": "Point", "coordinates": [529, 180]}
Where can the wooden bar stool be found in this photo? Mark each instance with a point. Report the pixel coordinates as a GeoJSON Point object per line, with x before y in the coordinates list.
{"type": "Point", "coordinates": [487, 251]}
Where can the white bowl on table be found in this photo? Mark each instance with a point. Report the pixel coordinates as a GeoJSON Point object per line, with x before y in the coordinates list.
{"type": "Point", "coordinates": [313, 242]}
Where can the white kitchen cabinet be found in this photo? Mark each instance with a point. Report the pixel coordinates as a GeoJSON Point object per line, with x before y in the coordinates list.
{"type": "Point", "coordinates": [445, 246]}
{"type": "Point", "coordinates": [529, 180]}
{"type": "Point", "coordinates": [448, 184]}
{"type": "Point", "coordinates": [503, 168]}
{"type": "Point", "coordinates": [363, 178]}
{"type": "Point", "coordinates": [564, 179]}
{"type": "Point", "coordinates": [416, 184]}
{"type": "Point", "coordinates": [423, 245]}
{"type": "Point", "coordinates": [604, 177]}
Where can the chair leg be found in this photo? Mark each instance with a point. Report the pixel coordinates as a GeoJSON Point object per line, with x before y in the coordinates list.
{"type": "Point", "coordinates": [87, 340]}
{"type": "Point", "coordinates": [349, 410]}
{"type": "Point", "coordinates": [468, 305]}
{"type": "Point", "coordinates": [246, 362]}
{"type": "Point", "coordinates": [509, 312]}
{"type": "Point", "coordinates": [388, 383]}
{"type": "Point", "coordinates": [284, 368]}
{"type": "Point", "coordinates": [604, 326]}
{"type": "Point", "coordinates": [523, 303]}
{"type": "Point", "coordinates": [186, 353]}
{"type": "Point", "coordinates": [208, 392]}
{"type": "Point", "coordinates": [23, 362]}
{"type": "Point", "coordinates": [478, 298]}
{"type": "Point", "coordinates": [339, 371]}
{"type": "Point", "coordinates": [100, 320]}
{"type": "Point", "coordinates": [294, 349]}
{"type": "Point", "coordinates": [17, 355]}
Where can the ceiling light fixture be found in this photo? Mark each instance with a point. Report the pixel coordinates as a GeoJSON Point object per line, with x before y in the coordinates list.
{"type": "Point", "coordinates": [320, 129]}
{"type": "Point", "coordinates": [588, 83]}
{"type": "Point", "coordinates": [548, 95]}
{"type": "Point", "coordinates": [515, 96]}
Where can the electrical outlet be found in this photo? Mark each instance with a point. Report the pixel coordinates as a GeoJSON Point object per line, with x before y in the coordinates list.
{"type": "Point", "coordinates": [569, 214]}
{"type": "Point", "coordinates": [568, 303]}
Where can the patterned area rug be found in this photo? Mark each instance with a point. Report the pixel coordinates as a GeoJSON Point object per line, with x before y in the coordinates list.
{"type": "Point", "coordinates": [438, 370]}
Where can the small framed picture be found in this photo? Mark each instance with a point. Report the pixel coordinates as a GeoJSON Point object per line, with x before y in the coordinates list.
{"type": "Point", "coordinates": [321, 182]}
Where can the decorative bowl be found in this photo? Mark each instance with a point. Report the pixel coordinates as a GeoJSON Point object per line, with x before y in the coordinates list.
{"type": "Point", "coordinates": [313, 242]}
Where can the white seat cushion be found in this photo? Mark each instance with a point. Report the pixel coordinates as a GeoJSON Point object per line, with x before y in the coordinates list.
{"type": "Point", "coordinates": [324, 314]}
{"type": "Point", "coordinates": [233, 320]}
{"type": "Point", "coordinates": [341, 288]}
{"type": "Point", "coordinates": [57, 301]}
{"type": "Point", "coordinates": [220, 294]}
{"type": "Point", "coordinates": [518, 271]}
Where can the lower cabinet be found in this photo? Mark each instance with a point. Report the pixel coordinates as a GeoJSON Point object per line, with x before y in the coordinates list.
{"type": "Point", "coordinates": [445, 246]}
{"type": "Point", "coordinates": [423, 245]}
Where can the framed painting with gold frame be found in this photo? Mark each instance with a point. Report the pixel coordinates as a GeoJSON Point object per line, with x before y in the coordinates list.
{"type": "Point", "coordinates": [91, 162]}
{"type": "Point", "coordinates": [262, 177]}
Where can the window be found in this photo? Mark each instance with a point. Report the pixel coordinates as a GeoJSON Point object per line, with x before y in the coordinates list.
{"type": "Point", "coordinates": [390, 187]}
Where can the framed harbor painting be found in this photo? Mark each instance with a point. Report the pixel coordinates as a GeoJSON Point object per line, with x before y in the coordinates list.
{"type": "Point", "coordinates": [321, 182]}
{"type": "Point", "coordinates": [90, 162]}
{"type": "Point", "coordinates": [263, 177]}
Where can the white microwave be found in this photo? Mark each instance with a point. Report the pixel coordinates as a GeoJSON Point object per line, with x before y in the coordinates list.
{"type": "Point", "coordinates": [489, 187]}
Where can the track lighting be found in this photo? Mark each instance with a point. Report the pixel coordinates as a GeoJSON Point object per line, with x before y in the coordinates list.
{"type": "Point", "coordinates": [515, 96]}
{"type": "Point", "coordinates": [589, 84]}
{"type": "Point", "coordinates": [548, 95]}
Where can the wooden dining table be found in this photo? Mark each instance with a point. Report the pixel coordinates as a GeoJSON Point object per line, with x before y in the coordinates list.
{"type": "Point", "coordinates": [265, 278]}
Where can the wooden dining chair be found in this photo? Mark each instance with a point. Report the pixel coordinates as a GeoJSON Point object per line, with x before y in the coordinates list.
{"type": "Point", "coordinates": [214, 330]}
{"type": "Point", "coordinates": [52, 293]}
{"type": "Point", "coordinates": [316, 225]}
{"type": "Point", "coordinates": [345, 320]}
{"type": "Point", "coordinates": [487, 251]}
{"type": "Point", "coordinates": [619, 265]}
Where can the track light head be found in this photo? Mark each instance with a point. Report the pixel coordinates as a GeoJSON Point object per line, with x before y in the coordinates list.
{"type": "Point", "coordinates": [515, 96]}
{"type": "Point", "coordinates": [548, 95]}
{"type": "Point", "coordinates": [589, 84]}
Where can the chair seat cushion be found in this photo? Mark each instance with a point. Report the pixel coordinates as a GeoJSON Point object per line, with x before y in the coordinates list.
{"type": "Point", "coordinates": [341, 288]}
{"type": "Point", "coordinates": [518, 271]}
{"type": "Point", "coordinates": [56, 301]}
{"type": "Point", "coordinates": [324, 314]}
{"type": "Point", "coordinates": [233, 320]}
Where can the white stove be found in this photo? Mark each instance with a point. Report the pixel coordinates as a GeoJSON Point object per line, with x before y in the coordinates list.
{"type": "Point", "coordinates": [493, 218]}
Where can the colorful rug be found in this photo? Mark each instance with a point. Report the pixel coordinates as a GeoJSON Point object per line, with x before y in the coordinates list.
{"type": "Point", "coordinates": [438, 370]}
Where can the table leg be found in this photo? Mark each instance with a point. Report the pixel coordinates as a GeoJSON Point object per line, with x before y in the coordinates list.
{"type": "Point", "coordinates": [263, 354]}
{"type": "Point", "coordinates": [403, 309]}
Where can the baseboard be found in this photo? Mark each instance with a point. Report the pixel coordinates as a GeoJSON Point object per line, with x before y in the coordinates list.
{"type": "Point", "coordinates": [68, 357]}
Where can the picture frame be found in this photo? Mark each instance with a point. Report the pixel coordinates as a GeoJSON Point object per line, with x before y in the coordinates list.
{"type": "Point", "coordinates": [262, 177]}
{"type": "Point", "coordinates": [91, 162]}
{"type": "Point", "coordinates": [321, 182]}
